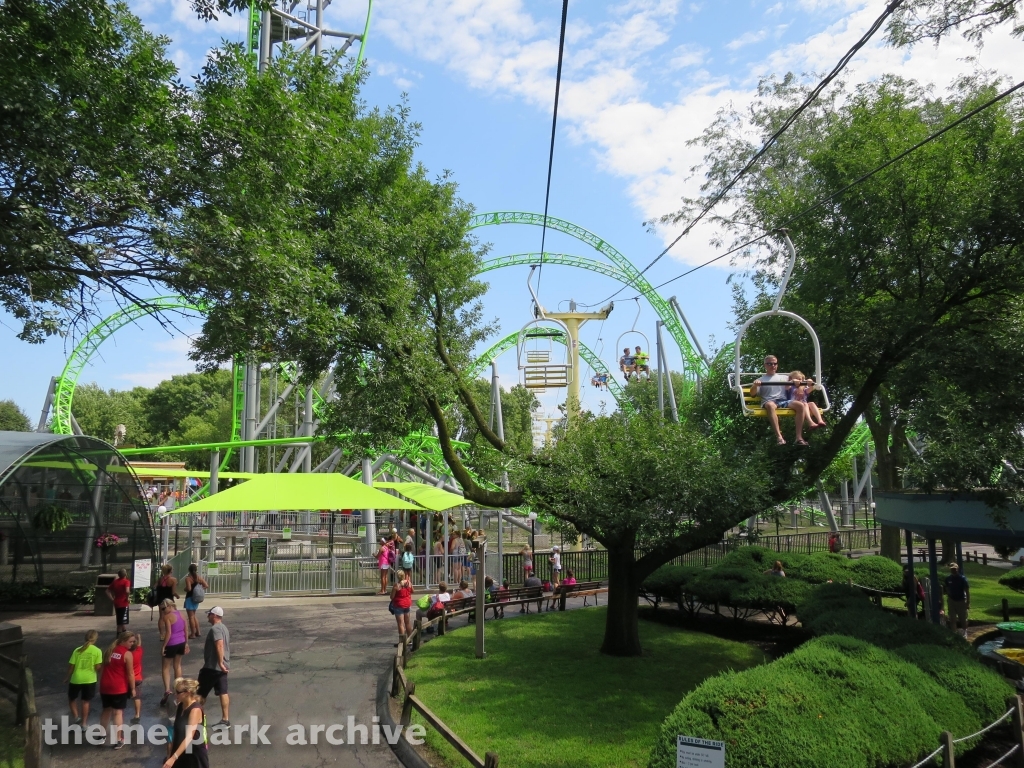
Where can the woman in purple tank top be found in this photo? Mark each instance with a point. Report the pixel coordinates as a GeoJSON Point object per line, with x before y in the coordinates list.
{"type": "Point", "coordinates": [175, 645]}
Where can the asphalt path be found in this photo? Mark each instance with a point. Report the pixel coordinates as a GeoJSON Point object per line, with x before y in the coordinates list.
{"type": "Point", "coordinates": [301, 661]}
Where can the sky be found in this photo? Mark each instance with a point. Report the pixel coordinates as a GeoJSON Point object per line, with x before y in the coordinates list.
{"type": "Point", "coordinates": [641, 80]}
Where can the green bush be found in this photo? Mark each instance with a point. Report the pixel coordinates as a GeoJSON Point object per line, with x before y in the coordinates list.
{"type": "Point", "coordinates": [839, 609]}
{"type": "Point", "coordinates": [821, 567]}
{"type": "Point", "coordinates": [767, 593]}
{"type": "Point", "coordinates": [752, 559]}
{"type": "Point", "coordinates": [879, 573]}
{"type": "Point", "coordinates": [717, 584]}
{"type": "Point", "coordinates": [835, 701]}
{"type": "Point", "coordinates": [1013, 579]}
{"type": "Point", "coordinates": [669, 579]}
{"type": "Point", "coordinates": [981, 689]}
{"type": "Point", "coordinates": [22, 593]}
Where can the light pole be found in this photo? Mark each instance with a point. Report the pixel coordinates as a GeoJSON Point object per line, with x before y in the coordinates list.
{"type": "Point", "coordinates": [161, 513]}
{"type": "Point", "coordinates": [480, 548]}
{"type": "Point", "coordinates": [533, 536]}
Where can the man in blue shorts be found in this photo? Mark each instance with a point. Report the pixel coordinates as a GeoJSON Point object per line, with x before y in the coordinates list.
{"type": "Point", "coordinates": [773, 389]}
{"type": "Point", "coordinates": [627, 363]}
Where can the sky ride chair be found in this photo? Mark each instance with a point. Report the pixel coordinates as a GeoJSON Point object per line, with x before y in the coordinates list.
{"type": "Point", "coordinates": [741, 381]}
{"type": "Point", "coordinates": [646, 347]}
{"type": "Point", "coordinates": [535, 348]}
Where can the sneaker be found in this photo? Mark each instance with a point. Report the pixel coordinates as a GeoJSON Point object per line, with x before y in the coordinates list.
{"type": "Point", "coordinates": [119, 745]}
{"type": "Point", "coordinates": [136, 720]}
{"type": "Point", "coordinates": [222, 724]}
{"type": "Point", "coordinates": [78, 721]}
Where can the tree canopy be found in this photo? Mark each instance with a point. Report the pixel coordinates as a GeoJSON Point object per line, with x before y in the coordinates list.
{"type": "Point", "coordinates": [12, 418]}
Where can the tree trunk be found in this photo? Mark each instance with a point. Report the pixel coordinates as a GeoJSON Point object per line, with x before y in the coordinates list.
{"type": "Point", "coordinates": [891, 543]}
{"type": "Point", "coordinates": [621, 633]}
{"type": "Point", "coordinates": [948, 551]}
{"type": "Point", "coordinates": [887, 466]}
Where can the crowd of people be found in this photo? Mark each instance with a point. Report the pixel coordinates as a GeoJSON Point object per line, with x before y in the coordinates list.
{"type": "Point", "coordinates": [118, 671]}
{"type": "Point", "coordinates": [395, 555]}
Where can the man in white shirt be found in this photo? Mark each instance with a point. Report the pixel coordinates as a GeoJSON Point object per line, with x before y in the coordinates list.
{"type": "Point", "coordinates": [773, 389]}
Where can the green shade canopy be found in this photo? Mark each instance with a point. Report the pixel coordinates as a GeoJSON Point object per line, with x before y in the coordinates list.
{"type": "Point", "coordinates": [436, 499]}
{"type": "Point", "coordinates": [297, 491]}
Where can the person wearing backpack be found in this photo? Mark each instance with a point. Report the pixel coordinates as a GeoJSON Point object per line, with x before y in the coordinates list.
{"type": "Point", "coordinates": [408, 560]}
{"type": "Point", "coordinates": [195, 593]}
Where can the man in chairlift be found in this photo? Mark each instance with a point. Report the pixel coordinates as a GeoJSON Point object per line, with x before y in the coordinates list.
{"type": "Point", "coordinates": [627, 363]}
{"type": "Point", "coordinates": [773, 389]}
{"type": "Point", "coordinates": [643, 362]}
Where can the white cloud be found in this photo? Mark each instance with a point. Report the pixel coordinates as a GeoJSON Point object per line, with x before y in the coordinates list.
{"type": "Point", "coordinates": [612, 66]}
{"type": "Point", "coordinates": [172, 360]}
{"type": "Point", "coordinates": [747, 38]}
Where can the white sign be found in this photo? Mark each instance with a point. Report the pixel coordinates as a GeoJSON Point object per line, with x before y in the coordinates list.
{"type": "Point", "coordinates": [142, 573]}
{"type": "Point", "coordinates": [699, 753]}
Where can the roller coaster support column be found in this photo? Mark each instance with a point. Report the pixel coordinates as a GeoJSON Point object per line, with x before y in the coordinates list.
{"type": "Point", "coordinates": [211, 550]}
{"type": "Point", "coordinates": [498, 425]}
{"type": "Point", "coordinates": [573, 321]}
{"type": "Point", "coordinates": [307, 429]}
{"type": "Point", "coordinates": [369, 515]}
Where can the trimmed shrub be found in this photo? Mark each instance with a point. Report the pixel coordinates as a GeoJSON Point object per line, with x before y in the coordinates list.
{"type": "Point", "coordinates": [981, 689]}
{"type": "Point", "coordinates": [839, 609]}
{"type": "Point", "coordinates": [669, 579]}
{"type": "Point", "coordinates": [768, 593]}
{"type": "Point", "coordinates": [835, 701]}
{"type": "Point", "coordinates": [752, 559]}
{"type": "Point", "coordinates": [821, 567]}
{"type": "Point", "coordinates": [717, 585]}
{"type": "Point", "coordinates": [878, 572]}
{"type": "Point", "coordinates": [1014, 579]}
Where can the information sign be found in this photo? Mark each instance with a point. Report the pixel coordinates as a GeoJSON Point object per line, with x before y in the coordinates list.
{"type": "Point", "coordinates": [142, 573]}
{"type": "Point", "coordinates": [258, 551]}
{"type": "Point", "coordinates": [692, 752]}
{"type": "Point", "coordinates": [286, 534]}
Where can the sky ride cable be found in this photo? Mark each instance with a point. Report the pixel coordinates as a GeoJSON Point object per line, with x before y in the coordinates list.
{"type": "Point", "coordinates": [770, 142]}
{"type": "Point", "coordinates": [859, 180]}
{"type": "Point", "coordinates": [551, 152]}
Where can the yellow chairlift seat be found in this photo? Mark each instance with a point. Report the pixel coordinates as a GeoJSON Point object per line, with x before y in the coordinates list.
{"type": "Point", "coordinates": [753, 405]}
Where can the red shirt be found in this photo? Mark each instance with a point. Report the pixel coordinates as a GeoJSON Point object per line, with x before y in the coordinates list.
{"type": "Point", "coordinates": [137, 663]}
{"type": "Point", "coordinates": [403, 597]}
{"type": "Point", "coordinates": [120, 589]}
{"type": "Point", "coordinates": [114, 679]}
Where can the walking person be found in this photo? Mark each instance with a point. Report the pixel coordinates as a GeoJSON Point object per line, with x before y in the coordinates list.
{"type": "Point", "coordinates": [556, 566]}
{"type": "Point", "coordinates": [958, 599]}
{"type": "Point", "coordinates": [167, 586]}
{"type": "Point", "coordinates": [383, 565]}
{"type": "Point", "coordinates": [195, 593]}
{"type": "Point", "coordinates": [117, 683]}
{"type": "Point", "coordinates": [189, 728]}
{"type": "Point", "coordinates": [216, 657]}
{"type": "Point", "coordinates": [401, 603]}
{"type": "Point", "coordinates": [119, 592]}
{"type": "Point", "coordinates": [527, 554]}
{"type": "Point", "coordinates": [83, 669]}
{"type": "Point", "coordinates": [175, 645]}
{"type": "Point", "coordinates": [136, 649]}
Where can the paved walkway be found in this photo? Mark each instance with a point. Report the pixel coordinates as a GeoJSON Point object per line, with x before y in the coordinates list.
{"type": "Point", "coordinates": [304, 660]}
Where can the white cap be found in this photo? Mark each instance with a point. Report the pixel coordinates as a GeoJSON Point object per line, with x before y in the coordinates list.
{"type": "Point", "coordinates": [216, 611]}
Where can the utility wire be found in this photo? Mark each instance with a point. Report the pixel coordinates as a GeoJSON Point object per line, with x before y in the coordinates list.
{"type": "Point", "coordinates": [859, 180]}
{"type": "Point", "coordinates": [551, 152]}
{"type": "Point", "coordinates": [770, 142]}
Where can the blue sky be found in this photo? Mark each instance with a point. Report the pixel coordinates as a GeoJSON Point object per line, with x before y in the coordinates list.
{"type": "Point", "coordinates": [641, 79]}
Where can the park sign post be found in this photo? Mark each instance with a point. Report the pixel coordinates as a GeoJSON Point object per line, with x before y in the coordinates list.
{"type": "Point", "coordinates": [692, 752]}
{"type": "Point", "coordinates": [258, 551]}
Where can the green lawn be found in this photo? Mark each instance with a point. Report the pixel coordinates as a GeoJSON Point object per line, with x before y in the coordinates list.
{"type": "Point", "coordinates": [12, 738]}
{"type": "Point", "coordinates": [986, 592]}
{"type": "Point", "coordinates": [545, 697]}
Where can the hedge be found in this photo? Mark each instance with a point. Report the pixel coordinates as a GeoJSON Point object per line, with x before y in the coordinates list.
{"type": "Point", "coordinates": [835, 701]}
{"type": "Point", "coordinates": [1013, 579]}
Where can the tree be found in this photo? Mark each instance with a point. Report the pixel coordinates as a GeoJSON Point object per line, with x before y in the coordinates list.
{"type": "Point", "coordinates": [89, 138]}
{"type": "Point", "coordinates": [919, 20]}
{"type": "Point", "coordinates": [646, 489]}
{"type": "Point", "coordinates": [99, 411]}
{"type": "Point", "coordinates": [12, 418]}
{"type": "Point", "coordinates": [173, 406]}
{"type": "Point", "coordinates": [898, 271]}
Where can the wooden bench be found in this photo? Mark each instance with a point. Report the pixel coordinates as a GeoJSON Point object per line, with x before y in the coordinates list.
{"type": "Point", "coordinates": [584, 589]}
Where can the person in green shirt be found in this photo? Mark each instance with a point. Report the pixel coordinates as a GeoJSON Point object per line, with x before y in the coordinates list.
{"type": "Point", "coordinates": [85, 663]}
{"type": "Point", "coordinates": [643, 363]}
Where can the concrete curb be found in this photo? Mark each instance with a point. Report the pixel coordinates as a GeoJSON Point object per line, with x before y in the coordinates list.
{"type": "Point", "coordinates": [404, 751]}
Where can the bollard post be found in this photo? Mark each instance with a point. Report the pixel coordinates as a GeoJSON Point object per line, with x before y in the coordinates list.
{"type": "Point", "coordinates": [490, 760]}
{"type": "Point", "coordinates": [1017, 718]}
{"type": "Point", "coordinates": [403, 642]}
{"type": "Point", "coordinates": [394, 678]}
{"type": "Point", "coordinates": [984, 558]}
{"type": "Point", "coordinates": [948, 757]}
{"type": "Point", "coordinates": [561, 599]}
{"type": "Point", "coordinates": [442, 623]}
{"type": "Point", "coordinates": [1006, 609]}
{"type": "Point", "coordinates": [407, 704]}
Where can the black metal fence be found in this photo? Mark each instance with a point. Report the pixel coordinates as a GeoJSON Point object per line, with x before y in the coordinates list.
{"type": "Point", "coordinates": [592, 564]}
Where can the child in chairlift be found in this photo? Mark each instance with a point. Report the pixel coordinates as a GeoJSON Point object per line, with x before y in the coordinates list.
{"type": "Point", "coordinates": [800, 388]}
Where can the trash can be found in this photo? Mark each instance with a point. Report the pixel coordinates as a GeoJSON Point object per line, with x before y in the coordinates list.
{"type": "Point", "coordinates": [102, 605]}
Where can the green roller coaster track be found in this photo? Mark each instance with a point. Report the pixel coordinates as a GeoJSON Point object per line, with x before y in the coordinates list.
{"type": "Point", "coordinates": [510, 341]}
{"type": "Point", "coordinates": [626, 273]}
